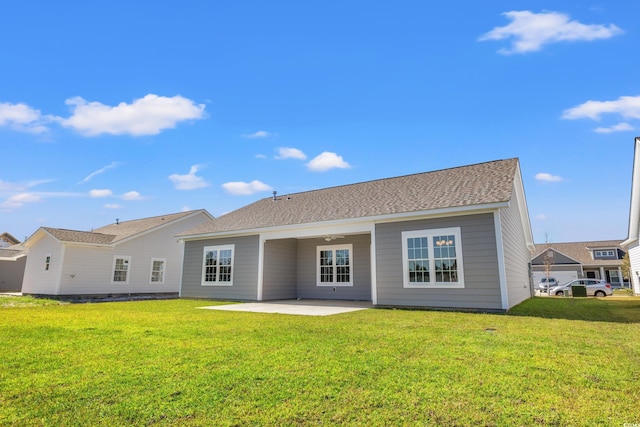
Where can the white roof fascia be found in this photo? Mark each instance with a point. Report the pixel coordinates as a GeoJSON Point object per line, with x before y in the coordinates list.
{"type": "Point", "coordinates": [457, 211]}
{"type": "Point", "coordinates": [634, 209]}
{"type": "Point", "coordinates": [12, 258]}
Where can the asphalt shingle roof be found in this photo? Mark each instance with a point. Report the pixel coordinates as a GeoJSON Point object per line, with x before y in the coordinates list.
{"type": "Point", "coordinates": [11, 251]}
{"type": "Point", "coordinates": [483, 183]}
{"type": "Point", "coordinates": [113, 233]}
{"type": "Point", "coordinates": [80, 236]}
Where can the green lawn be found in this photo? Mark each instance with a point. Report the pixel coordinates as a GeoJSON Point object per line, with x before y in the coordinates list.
{"type": "Point", "coordinates": [551, 361]}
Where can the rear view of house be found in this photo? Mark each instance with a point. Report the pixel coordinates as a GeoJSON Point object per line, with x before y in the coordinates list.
{"type": "Point", "coordinates": [130, 257]}
{"type": "Point", "coordinates": [453, 238]}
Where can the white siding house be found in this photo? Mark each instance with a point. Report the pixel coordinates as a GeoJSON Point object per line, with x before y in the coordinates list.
{"type": "Point", "coordinates": [132, 257]}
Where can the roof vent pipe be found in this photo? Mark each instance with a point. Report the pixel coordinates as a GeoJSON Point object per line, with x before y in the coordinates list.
{"type": "Point", "coordinates": [275, 193]}
{"type": "Point", "coordinates": [117, 221]}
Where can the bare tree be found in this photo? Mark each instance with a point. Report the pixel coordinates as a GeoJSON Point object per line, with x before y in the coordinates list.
{"type": "Point", "coordinates": [548, 260]}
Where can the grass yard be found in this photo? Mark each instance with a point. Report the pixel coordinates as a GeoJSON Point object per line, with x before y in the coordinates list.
{"type": "Point", "coordinates": [551, 361]}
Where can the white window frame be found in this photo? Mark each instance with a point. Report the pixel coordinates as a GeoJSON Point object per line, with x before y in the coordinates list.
{"type": "Point", "coordinates": [605, 254]}
{"type": "Point", "coordinates": [164, 271]}
{"type": "Point", "coordinates": [217, 248]}
{"type": "Point", "coordinates": [430, 234]}
{"type": "Point", "coordinates": [47, 262]}
{"type": "Point", "coordinates": [334, 248]}
{"type": "Point", "coordinates": [127, 258]}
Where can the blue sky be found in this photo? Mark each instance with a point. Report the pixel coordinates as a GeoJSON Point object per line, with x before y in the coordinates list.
{"type": "Point", "coordinates": [121, 109]}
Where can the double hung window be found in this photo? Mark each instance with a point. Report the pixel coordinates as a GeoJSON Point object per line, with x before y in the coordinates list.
{"type": "Point", "coordinates": [157, 270]}
{"type": "Point", "coordinates": [335, 265]}
{"type": "Point", "coordinates": [432, 258]}
{"type": "Point", "coordinates": [217, 265]}
{"type": "Point", "coordinates": [121, 269]}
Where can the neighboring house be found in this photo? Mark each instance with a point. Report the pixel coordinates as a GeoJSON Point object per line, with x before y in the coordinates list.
{"type": "Point", "coordinates": [7, 240]}
{"type": "Point", "coordinates": [568, 261]}
{"type": "Point", "coordinates": [13, 260]}
{"type": "Point", "coordinates": [632, 244]}
{"type": "Point", "coordinates": [453, 238]}
{"type": "Point", "coordinates": [131, 257]}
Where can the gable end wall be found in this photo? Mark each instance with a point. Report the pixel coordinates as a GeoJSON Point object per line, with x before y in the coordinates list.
{"type": "Point", "coordinates": [516, 255]}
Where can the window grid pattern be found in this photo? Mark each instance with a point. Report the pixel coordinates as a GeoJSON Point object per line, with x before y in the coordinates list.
{"type": "Point", "coordinates": [47, 263]}
{"type": "Point", "coordinates": [444, 254]}
{"type": "Point", "coordinates": [120, 270]}
{"type": "Point", "coordinates": [157, 271]}
{"type": "Point", "coordinates": [326, 266]}
{"type": "Point", "coordinates": [418, 258]}
{"type": "Point", "coordinates": [218, 265]}
{"type": "Point", "coordinates": [432, 258]}
{"type": "Point", "coordinates": [335, 265]}
{"type": "Point", "coordinates": [343, 270]}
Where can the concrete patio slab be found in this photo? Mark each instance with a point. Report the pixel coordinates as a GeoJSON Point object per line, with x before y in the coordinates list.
{"type": "Point", "coordinates": [296, 307]}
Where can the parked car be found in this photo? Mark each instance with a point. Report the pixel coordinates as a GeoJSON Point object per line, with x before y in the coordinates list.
{"type": "Point", "coordinates": [595, 287]}
{"type": "Point", "coordinates": [545, 284]}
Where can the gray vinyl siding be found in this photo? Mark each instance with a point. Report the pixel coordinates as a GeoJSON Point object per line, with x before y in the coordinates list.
{"type": "Point", "coordinates": [516, 255]}
{"type": "Point", "coordinates": [307, 270]}
{"type": "Point", "coordinates": [11, 274]}
{"type": "Point", "coordinates": [280, 269]}
{"type": "Point", "coordinates": [479, 256]}
{"type": "Point", "coordinates": [245, 270]}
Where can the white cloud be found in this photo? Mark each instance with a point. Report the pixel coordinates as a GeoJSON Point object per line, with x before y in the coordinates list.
{"type": "Point", "coordinates": [245, 188]}
{"type": "Point", "coordinates": [100, 193]}
{"type": "Point", "coordinates": [10, 187]}
{"type": "Point", "coordinates": [530, 31]}
{"type": "Point", "coordinates": [21, 117]}
{"type": "Point", "coordinates": [145, 116]}
{"type": "Point", "coordinates": [547, 177]}
{"type": "Point", "coordinates": [620, 127]}
{"type": "Point", "coordinates": [189, 181]}
{"type": "Point", "coordinates": [18, 200]}
{"type": "Point", "coordinates": [627, 107]}
{"type": "Point", "coordinates": [541, 217]}
{"type": "Point", "coordinates": [98, 172]}
{"type": "Point", "coordinates": [258, 134]}
{"type": "Point", "coordinates": [260, 156]}
{"type": "Point", "coordinates": [132, 195]}
{"type": "Point", "coordinates": [327, 160]}
{"type": "Point", "coordinates": [290, 153]}
{"type": "Point", "coordinates": [112, 206]}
